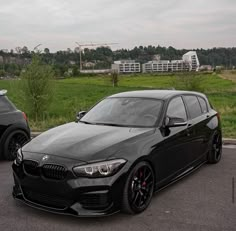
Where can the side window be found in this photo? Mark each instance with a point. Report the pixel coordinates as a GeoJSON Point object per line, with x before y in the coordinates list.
{"type": "Point", "coordinates": [203, 104]}
{"type": "Point", "coordinates": [193, 106]}
{"type": "Point", "coordinates": [176, 109]}
{"type": "Point", "coordinates": [4, 105]}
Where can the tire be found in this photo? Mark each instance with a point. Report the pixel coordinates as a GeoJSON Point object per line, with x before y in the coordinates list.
{"type": "Point", "coordinates": [138, 188]}
{"type": "Point", "coordinates": [215, 152]}
{"type": "Point", "coordinates": [13, 140]}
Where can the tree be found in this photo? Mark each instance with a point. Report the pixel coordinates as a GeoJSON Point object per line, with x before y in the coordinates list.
{"type": "Point", "coordinates": [46, 51]}
{"type": "Point", "coordinates": [114, 78]}
{"type": "Point", "coordinates": [18, 50]}
{"type": "Point", "coordinates": [25, 50]}
{"type": "Point", "coordinates": [12, 69]}
{"type": "Point", "coordinates": [37, 87]}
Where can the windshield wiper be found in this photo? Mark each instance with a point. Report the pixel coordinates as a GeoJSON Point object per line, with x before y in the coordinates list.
{"type": "Point", "coordinates": [111, 124]}
{"type": "Point", "coordinates": [85, 122]}
{"type": "Point", "coordinates": [105, 124]}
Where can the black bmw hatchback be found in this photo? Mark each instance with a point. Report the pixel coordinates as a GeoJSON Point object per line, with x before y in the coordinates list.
{"type": "Point", "coordinates": [119, 153]}
{"type": "Point", "coordinates": [14, 128]}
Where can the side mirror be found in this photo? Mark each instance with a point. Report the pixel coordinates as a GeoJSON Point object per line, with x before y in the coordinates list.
{"type": "Point", "coordinates": [80, 115]}
{"type": "Point", "coordinates": [174, 122]}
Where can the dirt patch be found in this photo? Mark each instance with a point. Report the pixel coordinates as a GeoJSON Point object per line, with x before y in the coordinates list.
{"type": "Point", "coordinates": [231, 75]}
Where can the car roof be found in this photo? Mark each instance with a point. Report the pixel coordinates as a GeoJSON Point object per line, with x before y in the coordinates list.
{"type": "Point", "coordinates": [3, 92]}
{"type": "Point", "coordinates": [155, 94]}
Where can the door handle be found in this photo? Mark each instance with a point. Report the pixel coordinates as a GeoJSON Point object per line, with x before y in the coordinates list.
{"type": "Point", "coordinates": [188, 132]}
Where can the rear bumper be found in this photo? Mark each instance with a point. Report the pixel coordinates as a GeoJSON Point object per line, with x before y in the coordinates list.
{"type": "Point", "coordinates": [76, 197]}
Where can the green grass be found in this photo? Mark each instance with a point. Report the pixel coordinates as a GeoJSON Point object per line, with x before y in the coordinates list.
{"type": "Point", "coordinates": [76, 94]}
{"type": "Point", "coordinates": [211, 83]}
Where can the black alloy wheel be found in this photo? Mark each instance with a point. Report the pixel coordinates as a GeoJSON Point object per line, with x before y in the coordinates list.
{"type": "Point", "coordinates": [216, 149]}
{"type": "Point", "coordinates": [14, 141]}
{"type": "Point", "coordinates": [139, 188]}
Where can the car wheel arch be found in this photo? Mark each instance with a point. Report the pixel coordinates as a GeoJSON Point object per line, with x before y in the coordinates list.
{"type": "Point", "coordinates": [7, 132]}
{"type": "Point", "coordinates": [14, 127]}
{"type": "Point", "coordinates": [126, 206]}
{"type": "Point", "coordinates": [143, 159]}
{"type": "Point", "coordinates": [210, 158]}
{"type": "Point", "coordinates": [216, 132]}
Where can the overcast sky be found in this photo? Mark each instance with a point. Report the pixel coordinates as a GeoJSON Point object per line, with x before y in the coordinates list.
{"type": "Point", "coordinates": [57, 24]}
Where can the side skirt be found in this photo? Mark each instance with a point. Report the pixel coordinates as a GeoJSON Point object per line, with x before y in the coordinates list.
{"type": "Point", "coordinates": [180, 176]}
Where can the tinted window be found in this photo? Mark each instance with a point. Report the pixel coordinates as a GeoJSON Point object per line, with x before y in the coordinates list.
{"type": "Point", "coordinates": [125, 112]}
{"type": "Point", "coordinates": [203, 104]}
{"type": "Point", "coordinates": [176, 109]}
{"type": "Point", "coordinates": [5, 106]}
{"type": "Point", "coordinates": [193, 106]}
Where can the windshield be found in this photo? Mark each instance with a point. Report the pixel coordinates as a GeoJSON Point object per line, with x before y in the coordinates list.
{"type": "Point", "coordinates": [129, 112]}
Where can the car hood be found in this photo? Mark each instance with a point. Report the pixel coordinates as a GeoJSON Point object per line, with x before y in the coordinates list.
{"type": "Point", "coordinates": [85, 142]}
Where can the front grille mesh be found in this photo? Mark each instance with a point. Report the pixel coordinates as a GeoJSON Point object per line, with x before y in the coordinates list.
{"type": "Point", "coordinates": [31, 167]}
{"type": "Point", "coordinates": [49, 171]}
{"type": "Point", "coordinates": [53, 171]}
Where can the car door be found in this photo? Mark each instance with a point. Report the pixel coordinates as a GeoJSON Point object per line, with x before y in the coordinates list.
{"type": "Point", "coordinates": [198, 117]}
{"type": "Point", "coordinates": [171, 156]}
{"type": "Point", "coordinates": [206, 118]}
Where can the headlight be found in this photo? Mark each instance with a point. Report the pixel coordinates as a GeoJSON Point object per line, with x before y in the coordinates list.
{"type": "Point", "coordinates": [19, 157]}
{"type": "Point", "coordinates": [100, 169]}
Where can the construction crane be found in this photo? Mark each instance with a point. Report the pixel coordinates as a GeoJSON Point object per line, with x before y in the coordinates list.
{"type": "Point", "coordinates": [88, 45]}
{"type": "Point", "coordinates": [36, 47]}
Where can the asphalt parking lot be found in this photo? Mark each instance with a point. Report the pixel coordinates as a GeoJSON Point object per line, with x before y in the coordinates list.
{"type": "Point", "coordinates": [200, 201]}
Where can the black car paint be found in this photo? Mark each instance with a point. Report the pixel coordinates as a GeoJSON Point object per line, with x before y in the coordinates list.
{"type": "Point", "coordinates": [11, 118]}
{"type": "Point", "coordinates": [85, 142]}
{"type": "Point", "coordinates": [171, 152]}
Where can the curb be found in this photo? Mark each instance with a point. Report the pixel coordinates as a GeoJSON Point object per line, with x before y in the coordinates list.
{"type": "Point", "coordinates": [226, 141]}
{"type": "Point", "coordinates": [34, 134]}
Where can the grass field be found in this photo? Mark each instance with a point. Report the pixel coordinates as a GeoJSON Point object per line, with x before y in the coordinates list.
{"type": "Point", "coordinates": [75, 94]}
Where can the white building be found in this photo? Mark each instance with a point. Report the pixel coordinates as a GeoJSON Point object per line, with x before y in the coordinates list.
{"type": "Point", "coordinates": [89, 64]}
{"type": "Point", "coordinates": [126, 66]}
{"type": "Point", "coordinates": [189, 62]}
{"type": "Point", "coordinates": [165, 66]}
{"type": "Point", "coordinates": [205, 68]}
{"type": "Point", "coordinates": [192, 59]}
{"type": "Point", "coordinates": [93, 71]}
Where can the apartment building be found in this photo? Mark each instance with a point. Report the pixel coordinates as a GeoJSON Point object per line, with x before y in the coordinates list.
{"type": "Point", "coordinates": [165, 66]}
{"type": "Point", "coordinates": [126, 66]}
{"type": "Point", "coordinates": [189, 62]}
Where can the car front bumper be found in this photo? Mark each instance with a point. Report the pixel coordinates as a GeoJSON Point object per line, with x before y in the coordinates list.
{"type": "Point", "coordinates": [71, 196]}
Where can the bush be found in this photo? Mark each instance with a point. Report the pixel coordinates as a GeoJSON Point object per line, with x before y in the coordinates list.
{"type": "Point", "coordinates": [190, 82]}
{"type": "Point", "coordinates": [2, 73]}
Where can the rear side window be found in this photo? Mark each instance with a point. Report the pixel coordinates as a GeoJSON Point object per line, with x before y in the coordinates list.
{"type": "Point", "coordinates": [203, 104]}
{"type": "Point", "coordinates": [176, 109]}
{"type": "Point", "coordinates": [193, 106]}
{"type": "Point", "coordinates": [5, 105]}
